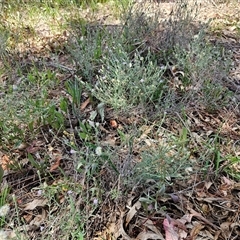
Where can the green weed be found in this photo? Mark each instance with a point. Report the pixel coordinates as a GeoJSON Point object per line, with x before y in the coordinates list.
{"type": "Point", "coordinates": [88, 50]}
{"type": "Point", "coordinates": [1, 174]}
{"type": "Point", "coordinates": [74, 89]}
{"type": "Point", "coordinates": [4, 207]}
{"type": "Point", "coordinates": [232, 167]}
{"type": "Point", "coordinates": [162, 164]}
{"type": "Point", "coordinates": [215, 96]}
{"type": "Point", "coordinates": [33, 109]}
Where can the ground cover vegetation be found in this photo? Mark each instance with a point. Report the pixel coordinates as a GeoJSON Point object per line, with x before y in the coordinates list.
{"type": "Point", "coordinates": [119, 119]}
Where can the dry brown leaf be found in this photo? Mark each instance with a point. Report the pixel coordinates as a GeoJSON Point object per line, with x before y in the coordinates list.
{"type": "Point", "coordinates": [56, 156]}
{"type": "Point", "coordinates": [170, 232]}
{"type": "Point", "coordinates": [226, 183]}
{"type": "Point", "coordinates": [35, 146]}
{"type": "Point", "coordinates": [114, 230]}
{"type": "Point", "coordinates": [225, 226]}
{"type": "Point", "coordinates": [108, 232]}
{"type": "Point", "coordinates": [9, 234]}
{"type": "Point", "coordinates": [32, 149]}
{"type": "Point", "coordinates": [121, 231]}
{"type": "Point", "coordinates": [27, 217]}
{"type": "Point", "coordinates": [145, 129]}
{"type": "Point", "coordinates": [84, 104]}
{"type": "Point", "coordinates": [149, 235]}
{"type": "Point", "coordinates": [180, 223]}
{"type": "Point", "coordinates": [5, 162]}
{"type": "Point", "coordinates": [206, 235]}
{"type": "Point", "coordinates": [216, 236]}
{"type": "Point", "coordinates": [35, 203]}
{"type": "Point", "coordinates": [38, 219]}
{"type": "Point", "coordinates": [200, 217]}
{"type": "Point", "coordinates": [132, 212]}
{"type": "Point", "coordinates": [195, 230]}
{"type": "Point", "coordinates": [186, 218]}
{"type": "Point", "coordinates": [149, 224]}
{"type": "Point", "coordinates": [207, 185]}
{"type": "Point", "coordinates": [110, 141]}
{"type": "Point", "coordinates": [56, 164]}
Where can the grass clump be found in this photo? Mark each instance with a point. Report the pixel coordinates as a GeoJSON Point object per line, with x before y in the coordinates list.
{"type": "Point", "coordinates": [164, 163]}
{"type": "Point", "coordinates": [126, 82]}
{"type": "Point", "coordinates": [87, 51]}
{"type": "Point", "coordinates": [34, 109]}
{"type": "Point", "coordinates": [202, 77]}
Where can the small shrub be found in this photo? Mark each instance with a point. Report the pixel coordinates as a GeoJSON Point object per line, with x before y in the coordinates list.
{"type": "Point", "coordinates": [180, 27]}
{"type": "Point", "coordinates": [138, 28]}
{"type": "Point", "coordinates": [163, 163]}
{"type": "Point", "coordinates": [215, 96]}
{"type": "Point", "coordinates": [86, 50]}
{"type": "Point", "coordinates": [124, 82]}
{"type": "Point", "coordinates": [203, 72]}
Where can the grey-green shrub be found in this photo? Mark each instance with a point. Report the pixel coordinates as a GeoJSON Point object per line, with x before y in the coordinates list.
{"type": "Point", "coordinates": [124, 82]}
